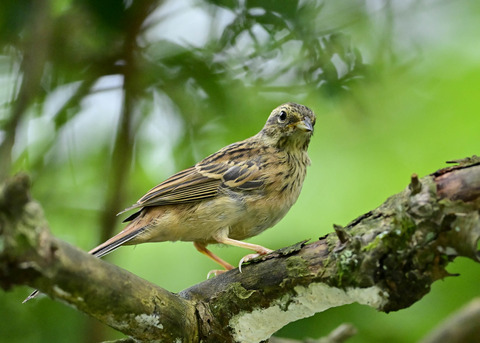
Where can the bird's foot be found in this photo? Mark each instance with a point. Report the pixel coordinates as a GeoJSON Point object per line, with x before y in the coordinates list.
{"type": "Point", "coordinates": [250, 257]}
{"type": "Point", "coordinates": [246, 258]}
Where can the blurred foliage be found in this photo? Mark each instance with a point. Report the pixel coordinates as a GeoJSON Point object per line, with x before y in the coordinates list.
{"type": "Point", "coordinates": [101, 100]}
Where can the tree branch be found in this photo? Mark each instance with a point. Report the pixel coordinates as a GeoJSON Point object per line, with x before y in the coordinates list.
{"type": "Point", "coordinates": [387, 259]}
{"type": "Point", "coordinates": [116, 297]}
{"type": "Point", "coordinates": [461, 327]}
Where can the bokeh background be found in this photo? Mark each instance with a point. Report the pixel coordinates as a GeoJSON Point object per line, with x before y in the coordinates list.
{"type": "Point", "coordinates": [102, 100]}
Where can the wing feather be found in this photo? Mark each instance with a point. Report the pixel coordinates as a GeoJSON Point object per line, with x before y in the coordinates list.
{"type": "Point", "coordinates": [204, 180]}
{"type": "Point", "coordinates": [186, 186]}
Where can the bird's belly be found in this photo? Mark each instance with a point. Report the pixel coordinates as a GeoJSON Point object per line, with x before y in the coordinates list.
{"type": "Point", "coordinates": [259, 216]}
{"type": "Point", "coordinates": [196, 222]}
{"type": "Point", "coordinates": [201, 221]}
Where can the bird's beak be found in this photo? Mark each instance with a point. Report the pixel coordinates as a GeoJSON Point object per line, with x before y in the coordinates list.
{"type": "Point", "coordinates": [305, 125]}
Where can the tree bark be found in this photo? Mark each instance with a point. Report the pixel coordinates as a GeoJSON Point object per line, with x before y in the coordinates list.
{"type": "Point", "coordinates": [387, 259]}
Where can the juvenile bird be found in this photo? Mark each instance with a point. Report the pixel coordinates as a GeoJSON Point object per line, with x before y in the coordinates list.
{"type": "Point", "coordinates": [231, 195]}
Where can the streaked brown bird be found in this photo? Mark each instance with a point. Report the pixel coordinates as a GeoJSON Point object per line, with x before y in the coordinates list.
{"type": "Point", "coordinates": [229, 196]}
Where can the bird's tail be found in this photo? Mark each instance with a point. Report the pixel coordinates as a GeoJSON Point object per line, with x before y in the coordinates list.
{"type": "Point", "coordinates": [115, 242]}
{"type": "Point", "coordinates": [105, 248]}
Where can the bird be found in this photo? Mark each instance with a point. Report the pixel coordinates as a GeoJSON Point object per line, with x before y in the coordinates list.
{"type": "Point", "coordinates": [229, 196]}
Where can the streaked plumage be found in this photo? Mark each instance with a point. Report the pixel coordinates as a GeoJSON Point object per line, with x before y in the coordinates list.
{"type": "Point", "coordinates": [231, 195]}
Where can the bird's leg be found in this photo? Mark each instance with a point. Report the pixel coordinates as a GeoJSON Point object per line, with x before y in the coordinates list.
{"type": "Point", "coordinates": [222, 238]}
{"type": "Point", "coordinates": [201, 247]}
{"type": "Point", "coordinates": [255, 247]}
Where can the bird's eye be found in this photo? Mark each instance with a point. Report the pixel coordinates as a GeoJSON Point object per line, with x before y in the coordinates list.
{"type": "Point", "coordinates": [282, 117]}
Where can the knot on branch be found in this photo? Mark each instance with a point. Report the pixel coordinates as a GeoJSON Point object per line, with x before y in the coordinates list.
{"type": "Point", "coordinates": [14, 195]}
{"type": "Point", "coordinates": [22, 223]}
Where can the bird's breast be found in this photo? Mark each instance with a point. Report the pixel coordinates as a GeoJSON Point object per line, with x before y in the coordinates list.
{"type": "Point", "coordinates": [267, 207]}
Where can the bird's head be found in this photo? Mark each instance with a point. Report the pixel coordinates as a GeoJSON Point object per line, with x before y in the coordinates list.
{"type": "Point", "coordinates": [289, 126]}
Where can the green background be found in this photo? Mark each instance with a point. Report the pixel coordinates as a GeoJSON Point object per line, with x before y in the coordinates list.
{"type": "Point", "coordinates": [416, 106]}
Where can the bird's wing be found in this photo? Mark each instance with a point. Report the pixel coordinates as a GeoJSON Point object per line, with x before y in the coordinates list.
{"type": "Point", "coordinates": [202, 181]}
{"type": "Point", "coordinates": [186, 186]}
{"type": "Point", "coordinates": [244, 176]}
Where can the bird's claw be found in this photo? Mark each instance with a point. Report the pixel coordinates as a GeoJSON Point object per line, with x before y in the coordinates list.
{"type": "Point", "coordinates": [246, 258]}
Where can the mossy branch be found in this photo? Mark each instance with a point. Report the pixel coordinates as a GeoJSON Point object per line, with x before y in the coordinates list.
{"type": "Point", "coordinates": [387, 258]}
